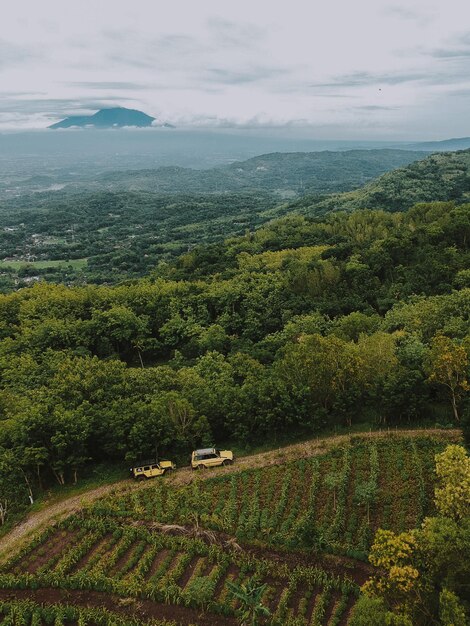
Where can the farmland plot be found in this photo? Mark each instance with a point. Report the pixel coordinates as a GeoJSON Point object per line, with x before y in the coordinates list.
{"type": "Point", "coordinates": [301, 529]}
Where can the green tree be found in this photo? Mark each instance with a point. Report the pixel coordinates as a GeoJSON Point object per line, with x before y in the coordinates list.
{"type": "Point", "coordinates": [452, 493]}
{"type": "Point", "coordinates": [365, 494]}
{"type": "Point", "coordinates": [447, 365]}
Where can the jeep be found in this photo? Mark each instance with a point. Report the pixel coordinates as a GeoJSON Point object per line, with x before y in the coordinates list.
{"type": "Point", "coordinates": [148, 469]}
{"type": "Point", "coordinates": [210, 457]}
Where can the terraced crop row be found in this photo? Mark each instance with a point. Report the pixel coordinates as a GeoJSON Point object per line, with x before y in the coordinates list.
{"type": "Point", "coordinates": [28, 613]}
{"type": "Point", "coordinates": [100, 555]}
{"type": "Point", "coordinates": [335, 502]}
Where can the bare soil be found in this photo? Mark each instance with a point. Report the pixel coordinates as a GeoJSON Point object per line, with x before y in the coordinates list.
{"type": "Point", "coordinates": [144, 610]}
{"type": "Point", "coordinates": [158, 560]}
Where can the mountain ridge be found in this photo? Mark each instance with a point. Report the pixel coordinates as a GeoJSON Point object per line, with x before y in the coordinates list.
{"type": "Point", "coordinates": [288, 173]}
{"type": "Point", "coordinates": [453, 144]}
{"type": "Point", "coordinates": [115, 117]}
{"type": "Point", "coordinates": [442, 176]}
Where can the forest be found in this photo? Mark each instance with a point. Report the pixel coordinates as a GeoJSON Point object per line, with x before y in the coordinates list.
{"type": "Point", "coordinates": [104, 235]}
{"type": "Point", "coordinates": [304, 325]}
{"type": "Point", "coordinates": [113, 226]}
{"type": "Point", "coordinates": [443, 176]}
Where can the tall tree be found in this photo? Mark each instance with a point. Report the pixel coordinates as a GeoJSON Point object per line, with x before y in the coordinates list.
{"type": "Point", "coordinates": [447, 365]}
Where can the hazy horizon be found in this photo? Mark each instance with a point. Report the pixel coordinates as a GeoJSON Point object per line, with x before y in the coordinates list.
{"type": "Point", "coordinates": [285, 132]}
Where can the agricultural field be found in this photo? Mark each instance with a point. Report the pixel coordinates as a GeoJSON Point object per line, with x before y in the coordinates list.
{"type": "Point", "coordinates": [334, 502]}
{"type": "Point", "coordinates": [169, 551]}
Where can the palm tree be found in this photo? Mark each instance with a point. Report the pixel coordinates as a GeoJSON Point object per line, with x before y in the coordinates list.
{"type": "Point", "coordinates": [250, 596]}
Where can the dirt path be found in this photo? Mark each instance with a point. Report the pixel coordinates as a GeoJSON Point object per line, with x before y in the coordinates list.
{"type": "Point", "coordinates": [60, 510]}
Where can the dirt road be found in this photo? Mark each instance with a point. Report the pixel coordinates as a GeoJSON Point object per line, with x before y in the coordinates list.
{"type": "Point", "coordinates": [38, 521]}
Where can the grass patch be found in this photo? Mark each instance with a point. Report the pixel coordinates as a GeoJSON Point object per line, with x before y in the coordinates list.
{"type": "Point", "coordinates": [76, 264]}
{"type": "Point", "coordinates": [94, 476]}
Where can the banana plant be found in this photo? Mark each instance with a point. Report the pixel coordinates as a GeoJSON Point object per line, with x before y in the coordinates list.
{"type": "Point", "coordinates": [250, 595]}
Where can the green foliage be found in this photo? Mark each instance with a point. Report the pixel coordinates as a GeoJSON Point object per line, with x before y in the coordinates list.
{"type": "Point", "coordinates": [301, 326]}
{"type": "Point", "coordinates": [447, 365]}
{"type": "Point", "coordinates": [369, 612]}
{"type": "Point", "coordinates": [451, 612]}
{"type": "Point", "coordinates": [94, 563]}
{"type": "Point", "coordinates": [443, 176]}
{"type": "Point", "coordinates": [453, 489]}
{"type": "Point", "coordinates": [250, 595]}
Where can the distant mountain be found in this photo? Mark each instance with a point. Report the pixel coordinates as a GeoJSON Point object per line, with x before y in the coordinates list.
{"type": "Point", "coordinates": [117, 117]}
{"type": "Point", "coordinates": [288, 174]}
{"type": "Point", "coordinates": [447, 145]}
{"type": "Point", "coordinates": [439, 177]}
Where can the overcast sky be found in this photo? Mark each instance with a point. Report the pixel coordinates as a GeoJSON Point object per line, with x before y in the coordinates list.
{"type": "Point", "coordinates": [342, 68]}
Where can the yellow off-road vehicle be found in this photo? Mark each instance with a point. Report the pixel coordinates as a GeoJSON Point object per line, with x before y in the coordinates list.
{"type": "Point", "coordinates": [149, 469]}
{"type": "Point", "coordinates": [210, 457]}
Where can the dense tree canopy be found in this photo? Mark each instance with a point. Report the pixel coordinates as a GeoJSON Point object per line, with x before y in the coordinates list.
{"type": "Point", "coordinates": [302, 325]}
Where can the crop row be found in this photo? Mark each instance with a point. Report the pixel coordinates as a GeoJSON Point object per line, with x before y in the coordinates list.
{"type": "Point", "coordinates": [336, 501]}
{"type": "Point", "coordinates": [136, 562]}
{"type": "Point", "coordinates": [28, 613]}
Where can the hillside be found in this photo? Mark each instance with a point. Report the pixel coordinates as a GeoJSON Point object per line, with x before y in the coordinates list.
{"type": "Point", "coordinates": [444, 176]}
{"type": "Point", "coordinates": [284, 173]}
{"type": "Point", "coordinates": [300, 327]}
{"type": "Point", "coordinates": [170, 550]}
{"type": "Point", "coordinates": [287, 174]}
{"type": "Point", "coordinates": [109, 237]}
{"type": "Point", "coordinates": [445, 145]}
{"type": "Point", "coordinates": [354, 321]}
{"type": "Point", "coordinates": [109, 228]}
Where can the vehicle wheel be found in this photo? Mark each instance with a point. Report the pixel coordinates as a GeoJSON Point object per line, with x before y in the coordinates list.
{"type": "Point", "coordinates": [141, 478]}
{"type": "Point", "coordinates": [201, 467]}
{"type": "Point", "coordinates": [168, 470]}
{"type": "Point", "coordinates": [227, 462]}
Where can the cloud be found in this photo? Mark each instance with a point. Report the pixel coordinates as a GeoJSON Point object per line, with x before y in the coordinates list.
{"type": "Point", "coordinates": [375, 107]}
{"type": "Point", "coordinates": [231, 43]}
{"type": "Point", "coordinates": [241, 63]}
{"type": "Point", "coordinates": [459, 93]}
{"type": "Point", "coordinates": [230, 34]}
{"type": "Point", "coordinates": [55, 107]}
{"type": "Point", "coordinates": [133, 49]}
{"type": "Point", "coordinates": [405, 13]}
{"type": "Point", "coordinates": [253, 74]}
{"type": "Point", "coordinates": [254, 122]}
{"type": "Point", "coordinates": [14, 94]}
{"type": "Point", "coordinates": [13, 54]}
{"type": "Point", "coordinates": [458, 48]}
{"type": "Point", "coordinates": [109, 85]}
{"type": "Point", "coordinates": [365, 78]}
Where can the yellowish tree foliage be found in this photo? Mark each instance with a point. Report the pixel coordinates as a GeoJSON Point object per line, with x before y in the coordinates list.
{"type": "Point", "coordinates": [447, 365]}
{"type": "Point", "coordinates": [421, 574]}
{"type": "Point", "coordinates": [453, 492]}
{"type": "Point", "coordinates": [393, 554]}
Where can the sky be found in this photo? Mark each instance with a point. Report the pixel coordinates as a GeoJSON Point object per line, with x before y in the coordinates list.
{"type": "Point", "coordinates": [338, 69]}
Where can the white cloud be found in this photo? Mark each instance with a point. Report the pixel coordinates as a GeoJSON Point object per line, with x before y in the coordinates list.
{"type": "Point", "coordinates": [380, 67]}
